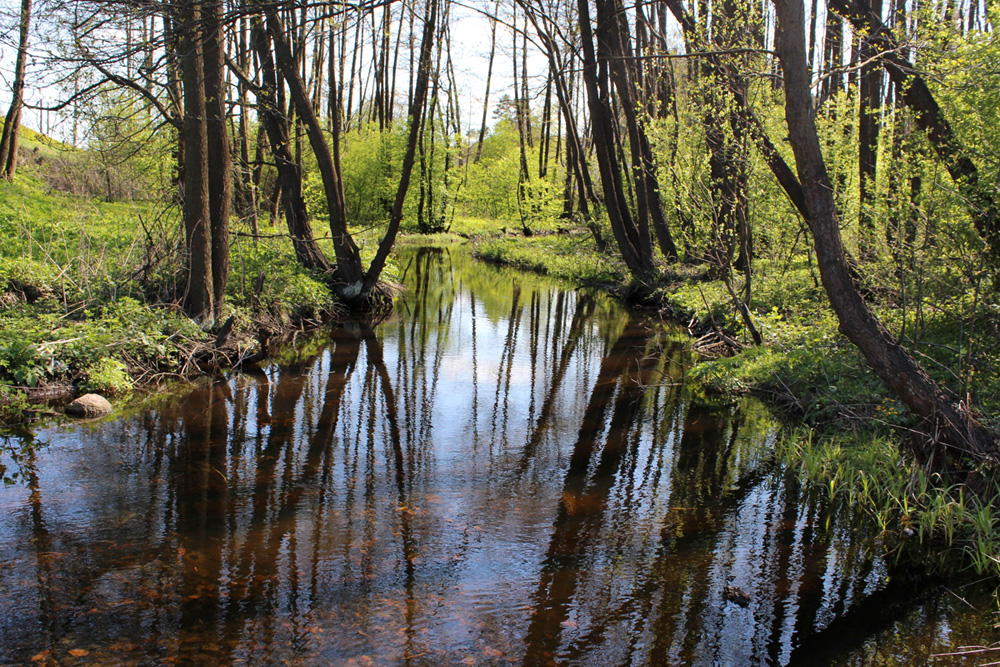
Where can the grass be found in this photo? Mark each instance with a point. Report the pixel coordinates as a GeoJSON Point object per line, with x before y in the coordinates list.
{"type": "Point", "coordinates": [563, 256]}
{"type": "Point", "coordinates": [946, 523]}
{"type": "Point", "coordinates": [90, 291]}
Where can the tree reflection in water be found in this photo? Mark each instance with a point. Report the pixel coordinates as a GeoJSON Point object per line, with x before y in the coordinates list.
{"type": "Point", "coordinates": [504, 472]}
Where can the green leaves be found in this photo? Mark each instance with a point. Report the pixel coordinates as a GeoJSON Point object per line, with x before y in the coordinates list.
{"type": "Point", "coordinates": [24, 362]}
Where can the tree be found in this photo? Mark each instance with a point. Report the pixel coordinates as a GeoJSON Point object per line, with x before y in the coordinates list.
{"type": "Point", "coordinates": [220, 177]}
{"type": "Point", "coordinates": [941, 414]}
{"type": "Point", "coordinates": [276, 128]}
{"type": "Point", "coordinates": [980, 201]}
{"type": "Point", "coordinates": [633, 239]}
{"type": "Point", "coordinates": [354, 284]}
{"type": "Point", "coordinates": [8, 141]}
{"type": "Point", "coordinates": [200, 293]}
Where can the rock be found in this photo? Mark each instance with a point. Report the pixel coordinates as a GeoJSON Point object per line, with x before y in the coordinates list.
{"type": "Point", "coordinates": [737, 595]}
{"type": "Point", "coordinates": [89, 405]}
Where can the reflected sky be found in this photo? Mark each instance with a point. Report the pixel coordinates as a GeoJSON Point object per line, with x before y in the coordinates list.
{"type": "Point", "coordinates": [503, 473]}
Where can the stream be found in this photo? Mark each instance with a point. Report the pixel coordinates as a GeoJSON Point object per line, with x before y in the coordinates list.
{"type": "Point", "coordinates": [504, 472]}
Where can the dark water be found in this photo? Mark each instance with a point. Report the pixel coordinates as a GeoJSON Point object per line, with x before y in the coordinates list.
{"type": "Point", "coordinates": [503, 473]}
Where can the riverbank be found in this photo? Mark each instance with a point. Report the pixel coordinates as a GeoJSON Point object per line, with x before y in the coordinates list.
{"type": "Point", "coordinates": [381, 493]}
{"type": "Point", "coordinates": [804, 366]}
{"type": "Point", "coordinates": [91, 293]}
{"type": "Point", "coordinates": [91, 303]}
{"type": "Point", "coordinates": [845, 434]}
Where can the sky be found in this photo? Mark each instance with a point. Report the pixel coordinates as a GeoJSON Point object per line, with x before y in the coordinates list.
{"type": "Point", "coordinates": [470, 35]}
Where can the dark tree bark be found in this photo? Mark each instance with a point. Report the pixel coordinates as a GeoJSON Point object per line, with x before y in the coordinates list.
{"type": "Point", "coordinates": [197, 215]}
{"type": "Point", "coordinates": [942, 416]}
{"type": "Point", "coordinates": [545, 140]}
{"type": "Point", "coordinates": [220, 181]}
{"type": "Point", "coordinates": [276, 126]}
{"type": "Point", "coordinates": [416, 107]}
{"type": "Point", "coordinates": [349, 272]}
{"type": "Point", "coordinates": [869, 110]}
{"type": "Point", "coordinates": [246, 190]}
{"type": "Point", "coordinates": [9, 140]}
{"type": "Point", "coordinates": [634, 247]}
{"type": "Point", "coordinates": [625, 73]}
{"type": "Point", "coordinates": [833, 54]}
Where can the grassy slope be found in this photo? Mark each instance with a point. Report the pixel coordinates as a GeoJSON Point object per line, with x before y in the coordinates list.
{"type": "Point", "coordinates": [90, 289]}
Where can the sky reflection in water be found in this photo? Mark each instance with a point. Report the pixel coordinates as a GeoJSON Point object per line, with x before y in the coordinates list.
{"type": "Point", "coordinates": [503, 473]}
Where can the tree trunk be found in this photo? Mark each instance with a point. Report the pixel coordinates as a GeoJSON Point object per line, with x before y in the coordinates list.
{"type": "Point", "coordinates": [576, 155]}
{"type": "Point", "coordinates": [869, 111]}
{"type": "Point", "coordinates": [220, 180]}
{"type": "Point", "coordinates": [630, 245]}
{"type": "Point", "coordinates": [624, 74]}
{"type": "Point", "coordinates": [349, 270]}
{"type": "Point", "coordinates": [950, 422]}
{"type": "Point", "coordinates": [197, 215]}
{"type": "Point", "coordinates": [12, 124]}
{"type": "Point", "coordinates": [833, 56]}
{"type": "Point", "coordinates": [275, 124]}
{"type": "Point", "coordinates": [489, 79]}
{"type": "Point", "coordinates": [416, 107]}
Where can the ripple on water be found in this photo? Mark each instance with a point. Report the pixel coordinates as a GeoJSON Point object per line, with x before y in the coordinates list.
{"type": "Point", "coordinates": [499, 474]}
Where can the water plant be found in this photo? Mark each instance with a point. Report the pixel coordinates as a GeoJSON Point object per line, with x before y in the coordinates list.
{"type": "Point", "coordinates": [951, 524]}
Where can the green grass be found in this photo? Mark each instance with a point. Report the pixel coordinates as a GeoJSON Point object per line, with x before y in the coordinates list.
{"type": "Point", "coordinates": [946, 524]}
{"type": "Point", "coordinates": [568, 256]}
{"type": "Point", "coordinates": [90, 290]}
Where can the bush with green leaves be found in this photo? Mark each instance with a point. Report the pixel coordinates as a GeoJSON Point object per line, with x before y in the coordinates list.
{"type": "Point", "coordinates": [287, 288]}
{"type": "Point", "coordinates": [109, 377]}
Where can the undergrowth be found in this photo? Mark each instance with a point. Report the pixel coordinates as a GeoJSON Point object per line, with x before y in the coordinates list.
{"type": "Point", "coordinates": [91, 293]}
{"type": "Point", "coordinates": [869, 473]}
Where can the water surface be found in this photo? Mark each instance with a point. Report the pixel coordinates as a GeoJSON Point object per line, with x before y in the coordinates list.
{"type": "Point", "coordinates": [506, 472]}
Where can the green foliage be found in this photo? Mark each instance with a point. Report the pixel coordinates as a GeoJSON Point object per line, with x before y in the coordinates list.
{"type": "Point", "coordinates": [24, 362]}
{"type": "Point", "coordinates": [569, 256]}
{"type": "Point", "coordinates": [288, 289]}
{"type": "Point", "coordinates": [369, 161]}
{"type": "Point", "coordinates": [871, 475]}
{"type": "Point", "coordinates": [122, 157]}
{"type": "Point", "coordinates": [491, 188]}
{"type": "Point", "coordinates": [491, 184]}
{"type": "Point", "coordinates": [89, 291]}
{"type": "Point", "coordinates": [109, 377]}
